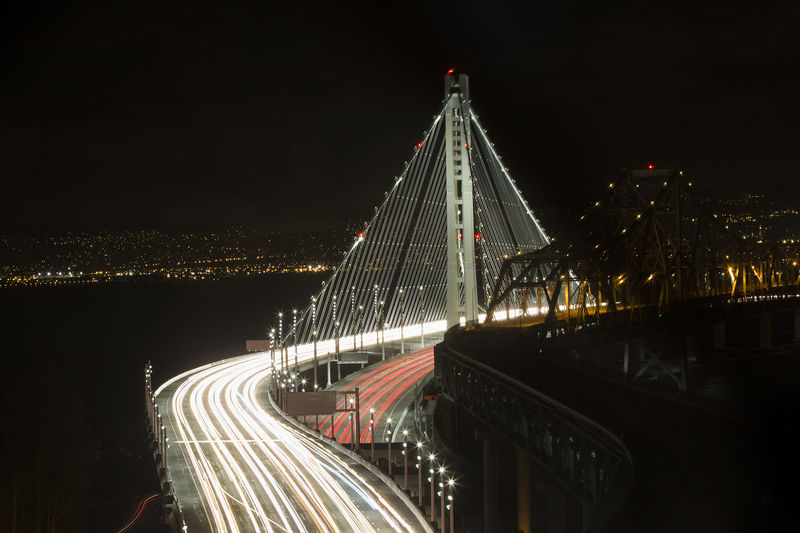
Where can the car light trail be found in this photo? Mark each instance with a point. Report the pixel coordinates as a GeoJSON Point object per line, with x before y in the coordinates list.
{"type": "Point", "coordinates": [246, 470]}
{"type": "Point", "coordinates": [379, 388]}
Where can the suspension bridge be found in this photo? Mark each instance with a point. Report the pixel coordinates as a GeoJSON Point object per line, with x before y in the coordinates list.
{"type": "Point", "coordinates": [454, 243]}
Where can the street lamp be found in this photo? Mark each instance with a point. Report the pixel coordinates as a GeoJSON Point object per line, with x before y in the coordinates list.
{"type": "Point", "coordinates": [314, 335]}
{"type": "Point", "coordinates": [421, 317]}
{"type": "Point", "coordinates": [375, 312]}
{"type": "Point", "coordinates": [419, 472]}
{"type": "Point", "coordinates": [450, 506]}
{"type": "Point", "coordinates": [389, 438]}
{"type": "Point", "coordinates": [432, 472]}
{"type": "Point", "coordinates": [280, 340]}
{"type": "Point", "coordinates": [372, 434]}
{"type": "Point", "coordinates": [383, 333]}
{"type": "Point", "coordinates": [361, 326]}
{"type": "Point", "coordinates": [402, 323]}
{"type": "Point", "coordinates": [441, 495]}
{"type": "Point", "coordinates": [405, 457]}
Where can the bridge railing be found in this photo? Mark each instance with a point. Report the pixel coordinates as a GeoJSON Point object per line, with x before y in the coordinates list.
{"type": "Point", "coordinates": [588, 460]}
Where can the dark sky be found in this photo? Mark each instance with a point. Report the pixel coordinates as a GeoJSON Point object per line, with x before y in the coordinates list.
{"type": "Point", "coordinates": [298, 118]}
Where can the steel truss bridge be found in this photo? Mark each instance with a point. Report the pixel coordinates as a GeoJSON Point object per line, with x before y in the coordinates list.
{"type": "Point", "coordinates": [627, 292]}
{"type": "Point", "coordinates": [640, 260]}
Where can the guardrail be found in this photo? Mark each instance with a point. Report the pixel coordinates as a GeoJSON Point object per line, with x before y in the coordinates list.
{"type": "Point", "coordinates": [584, 457]}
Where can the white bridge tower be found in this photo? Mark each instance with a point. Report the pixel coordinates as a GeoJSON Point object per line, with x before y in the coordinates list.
{"type": "Point", "coordinates": [462, 287]}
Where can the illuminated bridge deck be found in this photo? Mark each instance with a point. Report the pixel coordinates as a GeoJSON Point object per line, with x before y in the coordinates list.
{"type": "Point", "coordinates": [237, 466]}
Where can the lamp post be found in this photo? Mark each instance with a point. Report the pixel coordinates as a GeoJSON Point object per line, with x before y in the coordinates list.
{"type": "Point", "coordinates": [441, 496]}
{"type": "Point", "coordinates": [361, 325]}
{"type": "Point", "coordinates": [402, 323]}
{"type": "Point", "coordinates": [383, 334]}
{"type": "Point", "coordinates": [372, 434]}
{"type": "Point", "coordinates": [280, 339]}
{"type": "Point", "coordinates": [405, 457]}
{"type": "Point", "coordinates": [353, 315]}
{"type": "Point", "coordinates": [314, 335]}
{"type": "Point", "coordinates": [272, 347]}
{"type": "Point", "coordinates": [389, 438]}
{"type": "Point", "coordinates": [294, 336]}
{"type": "Point", "coordinates": [432, 472]}
{"type": "Point", "coordinates": [375, 313]}
{"type": "Point", "coordinates": [335, 340]}
{"type": "Point", "coordinates": [450, 506]}
{"type": "Point", "coordinates": [421, 317]}
{"type": "Point", "coordinates": [419, 472]}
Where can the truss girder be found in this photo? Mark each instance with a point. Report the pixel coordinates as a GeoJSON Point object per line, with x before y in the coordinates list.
{"type": "Point", "coordinates": [649, 242]}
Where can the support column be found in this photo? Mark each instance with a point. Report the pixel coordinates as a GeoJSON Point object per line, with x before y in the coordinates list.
{"type": "Point", "coordinates": [491, 484]}
{"type": "Point", "coordinates": [523, 491]}
{"type": "Point", "coordinates": [461, 275]}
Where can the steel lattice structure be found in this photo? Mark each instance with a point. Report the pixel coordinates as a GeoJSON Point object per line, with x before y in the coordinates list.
{"type": "Point", "coordinates": [394, 273]}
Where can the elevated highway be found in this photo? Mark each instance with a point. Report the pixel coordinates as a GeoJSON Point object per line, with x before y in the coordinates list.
{"type": "Point", "coordinates": [236, 466]}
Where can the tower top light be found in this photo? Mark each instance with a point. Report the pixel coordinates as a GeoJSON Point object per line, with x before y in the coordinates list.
{"type": "Point", "coordinates": [456, 83]}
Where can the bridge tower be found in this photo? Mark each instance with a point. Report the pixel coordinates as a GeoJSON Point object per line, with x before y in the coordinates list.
{"type": "Point", "coordinates": [462, 287]}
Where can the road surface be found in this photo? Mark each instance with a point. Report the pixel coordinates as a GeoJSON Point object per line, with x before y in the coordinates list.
{"type": "Point", "coordinates": [237, 466]}
{"type": "Point", "coordinates": [388, 389]}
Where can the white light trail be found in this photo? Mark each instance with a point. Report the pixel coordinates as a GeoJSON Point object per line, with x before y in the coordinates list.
{"type": "Point", "coordinates": [253, 472]}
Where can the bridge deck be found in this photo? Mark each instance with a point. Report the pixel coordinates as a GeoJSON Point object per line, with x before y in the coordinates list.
{"type": "Point", "coordinates": [237, 466]}
{"type": "Point", "coordinates": [389, 389]}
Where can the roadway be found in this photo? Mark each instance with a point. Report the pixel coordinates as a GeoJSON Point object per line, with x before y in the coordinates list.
{"type": "Point", "coordinates": [237, 466]}
{"type": "Point", "coordinates": [386, 390]}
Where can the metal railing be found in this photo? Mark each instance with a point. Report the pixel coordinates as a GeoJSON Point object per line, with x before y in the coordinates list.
{"type": "Point", "coordinates": [587, 459]}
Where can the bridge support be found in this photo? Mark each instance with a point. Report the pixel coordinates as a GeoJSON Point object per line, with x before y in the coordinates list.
{"type": "Point", "coordinates": [491, 482]}
{"type": "Point", "coordinates": [523, 491]}
{"type": "Point", "coordinates": [461, 275]}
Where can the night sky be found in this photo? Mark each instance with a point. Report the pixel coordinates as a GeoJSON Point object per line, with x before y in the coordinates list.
{"type": "Point", "coordinates": [299, 117]}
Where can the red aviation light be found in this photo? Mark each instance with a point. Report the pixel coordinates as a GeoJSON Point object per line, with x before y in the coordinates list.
{"type": "Point", "coordinates": [451, 71]}
{"type": "Point", "coordinates": [361, 234]}
{"type": "Point", "coordinates": [419, 145]}
{"type": "Point", "coordinates": [650, 167]}
{"type": "Point", "coordinates": [477, 235]}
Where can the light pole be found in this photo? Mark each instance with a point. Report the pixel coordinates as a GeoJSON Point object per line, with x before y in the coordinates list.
{"type": "Point", "coordinates": [383, 336]}
{"type": "Point", "coordinates": [419, 472]}
{"type": "Point", "coordinates": [450, 506]}
{"type": "Point", "coordinates": [432, 472]}
{"type": "Point", "coordinates": [272, 347]}
{"type": "Point", "coordinates": [372, 434]}
{"type": "Point", "coordinates": [375, 312]}
{"type": "Point", "coordinates": [421, 317]}
{"type": "Point", "coordinates": [389, 438]}
{"type": "Point", "coordinates": [405, 457]}
{"type": "Point", "coordinates": [335, 339]}
{"type": "Point", "coordinates": [280, 339]}
{"type": "Point", "coordinates": [353, 315]}
{"type": "Point", "coordinates": [441, 496]}
{"type": "Point", "coordinates": [361, 325]}
{"type": "Point", "coordinates": [314, 335]}
{"type": "Point", "coordinates": [402, 323]}
{"type": "Point", "coordinates": [294, 336]}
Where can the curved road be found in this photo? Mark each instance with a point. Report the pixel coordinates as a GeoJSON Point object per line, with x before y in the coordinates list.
{"type": "Point", "coordinates": [388, 389]}
{"type": "Point", "coordinates": [237, 466]}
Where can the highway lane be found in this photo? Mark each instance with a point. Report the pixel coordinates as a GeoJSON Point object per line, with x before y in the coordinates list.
{"type": "Point", "coordinates": [237, 466]}
{"type": "Point", "coordinates": [386, 390]}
